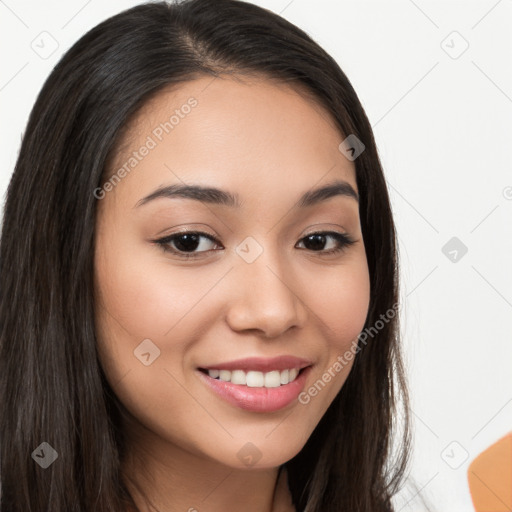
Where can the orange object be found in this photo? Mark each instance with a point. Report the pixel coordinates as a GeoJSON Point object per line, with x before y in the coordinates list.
{"type": "Point", "coordinates": [490, 477]}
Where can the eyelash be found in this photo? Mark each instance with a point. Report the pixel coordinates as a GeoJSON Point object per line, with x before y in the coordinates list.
{"type": "Point", "coordinates": [343, 239]}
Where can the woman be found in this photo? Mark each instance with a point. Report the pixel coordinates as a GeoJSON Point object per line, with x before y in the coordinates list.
{"type": "Point", "coordinates": [199, 279]}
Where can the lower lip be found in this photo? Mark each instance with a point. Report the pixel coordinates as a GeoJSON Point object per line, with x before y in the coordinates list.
{"type": "Point", "coordinates": [257, 399]}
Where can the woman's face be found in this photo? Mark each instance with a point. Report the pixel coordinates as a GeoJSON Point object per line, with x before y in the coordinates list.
{"type": "Point", "coordinates": [256, 284]}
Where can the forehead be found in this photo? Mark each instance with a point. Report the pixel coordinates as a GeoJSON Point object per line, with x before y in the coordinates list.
{"type": "Point", "coordinates": [251, 132]}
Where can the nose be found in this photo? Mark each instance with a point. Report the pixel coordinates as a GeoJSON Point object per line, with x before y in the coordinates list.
{"type": "Point", "coordinates": [265, 298]}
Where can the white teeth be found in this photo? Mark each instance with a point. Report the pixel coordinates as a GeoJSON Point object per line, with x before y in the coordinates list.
{"type": "Point", "coordinates": [293, 373]}
{"type": "Point", "coordinates": [253, 379]}
{"type": "Point", "coordinates": [273, 379]}
{"type": "Point", "coordinates": [225, 375]}
{"type": "Point", "coordinates": [238, 377]}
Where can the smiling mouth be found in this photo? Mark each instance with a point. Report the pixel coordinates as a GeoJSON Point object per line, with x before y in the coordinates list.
{"type": "Point", "coordinates": [262, 392]}
{"type": "Point", "coordinates": [255, 379]}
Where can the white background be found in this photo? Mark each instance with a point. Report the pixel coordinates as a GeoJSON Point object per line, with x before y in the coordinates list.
{"type": "Point", "coordinates": [442, 125]}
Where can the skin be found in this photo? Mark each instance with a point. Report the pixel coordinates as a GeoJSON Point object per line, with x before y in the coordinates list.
{"type": "Point", "coordinates": [268, 143]}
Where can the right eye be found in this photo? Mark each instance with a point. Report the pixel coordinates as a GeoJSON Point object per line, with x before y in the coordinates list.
{"type": "Point", "coordinates": [185, 243]}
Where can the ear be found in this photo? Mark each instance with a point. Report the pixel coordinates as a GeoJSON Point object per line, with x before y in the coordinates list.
{"type": "Point", "coordinates": [490, 477]}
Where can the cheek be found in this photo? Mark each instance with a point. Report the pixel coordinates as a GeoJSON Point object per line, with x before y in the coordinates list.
{"type": "Point", "coordinates": [144, 293]}
{"type": "Point", "coordinates": [342, 307]}
{"type": "Point", "coordinates": [342, 304]}
{"type": "Point", "coordinates": [339, 306]}
{"type": "Point", "coordinates": [145, 300]}
{"type": "Point", "coordinates": [135, 301]}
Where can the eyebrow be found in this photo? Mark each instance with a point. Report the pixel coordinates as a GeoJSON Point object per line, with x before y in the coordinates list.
{"type": "Point", "coordinates": [218, 196]}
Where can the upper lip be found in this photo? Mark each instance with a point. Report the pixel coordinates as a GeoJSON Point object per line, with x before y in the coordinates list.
{"type": "Point", "coordinates": [261, 364]}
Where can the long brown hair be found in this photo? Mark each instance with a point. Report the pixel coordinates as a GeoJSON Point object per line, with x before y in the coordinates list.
{"type": "Point", "coordinates": [52, 388]}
